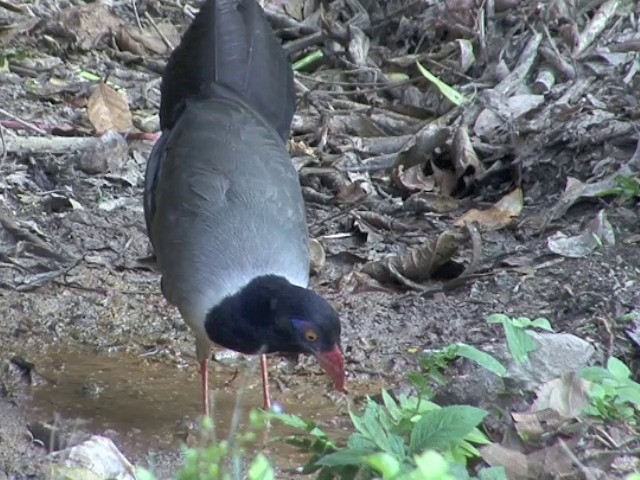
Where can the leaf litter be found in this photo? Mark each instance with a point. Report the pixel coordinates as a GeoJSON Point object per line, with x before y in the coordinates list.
{"type": "Point", "coordinates": [426, 213]}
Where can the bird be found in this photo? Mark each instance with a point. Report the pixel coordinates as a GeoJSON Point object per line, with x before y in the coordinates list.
{"type": "Point", "coordinates": [223, 204]}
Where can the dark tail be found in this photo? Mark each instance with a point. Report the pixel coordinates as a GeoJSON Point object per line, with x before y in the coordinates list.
{"type": "Point", "coordinates": [231, 43]}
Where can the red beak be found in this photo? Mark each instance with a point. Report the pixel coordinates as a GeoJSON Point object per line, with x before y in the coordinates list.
{"type": "Point", "coordinates": [332, 363]}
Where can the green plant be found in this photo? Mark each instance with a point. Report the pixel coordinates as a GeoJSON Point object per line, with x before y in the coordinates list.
{"type": "Point", "coordinates": [221, 460]}
{"type": "Point", "coordinates": [628, 187]}
{"type": "Point", "coordinates": [390, 436]}
{"type": "Point", "coordinates": [519, 339]}
{"type": "Point", "coordinates": [433, 365]}
{"type": "Point", "coordinates": [613, 394]}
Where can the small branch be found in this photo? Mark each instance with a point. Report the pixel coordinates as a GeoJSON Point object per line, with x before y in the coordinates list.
{"type": "Point", "coordinates": [23, 122]}
{"type": "Point", "coordinates": [162, 35]}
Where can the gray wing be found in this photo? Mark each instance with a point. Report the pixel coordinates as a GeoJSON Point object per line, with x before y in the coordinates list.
{"type": "Point", "coordinates": [225, 205]}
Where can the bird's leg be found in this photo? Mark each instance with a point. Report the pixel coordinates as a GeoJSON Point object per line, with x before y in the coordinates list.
{"type": "Point", "coordinates": [204, 376]}
{"type": "Point", "coordinates": [265, 382]}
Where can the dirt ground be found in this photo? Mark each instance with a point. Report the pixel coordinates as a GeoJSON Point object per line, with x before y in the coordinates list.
{"type": "Point", "coordinates": [111, 357]}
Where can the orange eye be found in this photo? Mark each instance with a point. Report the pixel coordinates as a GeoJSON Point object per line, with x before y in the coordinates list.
{"type": "Point", "coordinates": [311, 336]}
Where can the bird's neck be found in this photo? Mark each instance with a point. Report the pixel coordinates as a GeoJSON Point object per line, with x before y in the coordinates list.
{"type": "Point", "coordinates": [243, 322]}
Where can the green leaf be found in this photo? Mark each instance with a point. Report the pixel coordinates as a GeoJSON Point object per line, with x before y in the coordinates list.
{"type": "Point", "coordinates": [397, 446]}
{"type": "Point", "coordinates": [308, 60]}
{"type": "Point", "coordinates": [521, 322]}
{"type": "Point", "coordinates": [618, 369]}
{"type": "Point", "coordinates": [358, 441]}
{"type": "Point", "coordinates": [443, 428]}
{"type": "Point", "coordinates": [476, 436]}
{"type": "Point", "coordinates": [385, 464]}
{"type": "Point", "coordinates": [392, 406]}
{"type": "Point", "coordinates": [520, 343]}
{"type": "Point", "coordinates": [432, 466]}
{"type": "Point", "coordinates": [498, 318]}
{"type": "Point", "coordinates": [629, 393]}
{"type": "Point", "coordinates": [347, 456]}
{"type": "Point", "coordinates": [261, 469]}
{"type": "Point", "coordinates": [596, 374]}
{"type": "Point", "coordinates": [493, 473]}
{"type": "Point", "coordinates": [543, 324]}
{"type": "Point", "coordinates": [454, 96]}
{"type": "Point", "coordinates": [481, 358]}
{"type": "Point", "coordinates": [292, 421]}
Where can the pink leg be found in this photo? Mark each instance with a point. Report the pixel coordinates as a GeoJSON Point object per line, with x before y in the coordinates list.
{"type": "Point", "coordinates": [265, 382]}
{"type": "Point", "coordinates": [204, 375]}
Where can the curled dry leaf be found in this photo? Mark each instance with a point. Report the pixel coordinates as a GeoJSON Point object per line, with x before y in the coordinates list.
{"type": "Point", "coordinates": [494, 120]}
{"type": "Point", "coordinates": [412, 179]}
{"type": "Point", "coordinates": [426, 202]}
{"type": "Point", "coordinates": [598, 232]}
{"type": "Point", "coordinates": [465, 161]}
{"type": "Point", "coordinates": [371, 223]}
{"type": "Point", "coordinates": [515, 463]}
{"type": "Point", "coordinates": [318, 257]}
{"type": "Point", "coordinates": [567, 395]}
{"type": "Point", "coordinates": [140, 40]}
{"type": "Point", "coordinates": [419, 263]}
{"type": "Point", "coordinates": [108, 110]}
{"type": "Point", "coordinates": [89, 23]}
{"type": "Point", "coordinates": [499, 216]}
{"type": "Point", "coordinates": [576, 190]}
{"type": "Point", "coordinates": [352, 193]}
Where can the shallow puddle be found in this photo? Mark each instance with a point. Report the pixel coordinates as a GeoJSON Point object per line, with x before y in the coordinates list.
{"type": "Point", "coordinates": [145, 403]}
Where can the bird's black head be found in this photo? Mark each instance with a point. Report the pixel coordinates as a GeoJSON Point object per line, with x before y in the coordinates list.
{"type": "Point", "coordinates": [272, 315]}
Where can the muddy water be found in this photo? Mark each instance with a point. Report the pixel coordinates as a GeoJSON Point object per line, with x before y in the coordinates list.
{"type": "Point", "coordinates": [145, 403]}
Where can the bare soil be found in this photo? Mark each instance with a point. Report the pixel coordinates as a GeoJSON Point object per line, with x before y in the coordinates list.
{"type": "Point", "coordinates": [111, 357]}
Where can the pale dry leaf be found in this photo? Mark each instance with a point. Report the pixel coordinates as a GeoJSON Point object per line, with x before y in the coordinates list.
{"type": "Point", "coordinates": [515, 463]}
{"type": "Point", "coordinates": [89, 23]}
{"type": "Point", "coordinates": [528, 427]}
{"type": "Point", "coordinates": [424, 202]}
{"type": "Point", "coordinates": [139, 40]}
{"type": "Point", "coordinates": [501, 215]}
{"type": "Point", "coordinates": [597, 233]}
{"type": "Point", "coordinates": [352, 193]}
{"type": "Point", "coordinates": [567, 395]}
{"type": "Point", "coordinates": [465, 160]}
{"type": "Point", "coordinates": [318, 257]}
{"type": "Point", "coordinates": [489, 121]}
{"type": "Point", "coordinates": [445, 179]}
{"type": "Point", "coordinates": [577, 190]}
{"type": "Point", "coordinates": [418, 263]}
{"type": "Point", "coordinates": [412, 179]}
{"type": "Point", "coordinates": [554, 461]}
{"type": "Point", "coordinates": [108, 110]}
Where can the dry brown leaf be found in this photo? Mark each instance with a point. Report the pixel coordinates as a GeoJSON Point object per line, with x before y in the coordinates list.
{"type": "Point", "coordinates": [352, 193]}
{"type": "Point", "coordinates": [528, 427]}
{"type": "Point", "coordinates": [412, 179]}
{"type": "Point", "coordinates": [89, 23]}
{"type": "Point", "coordinates": [358, 282]}
{"type": "Point", "coordinates": [108, 110]}
{"type": "Point", "coordinates": [554, 461]}
{"type": "Point", "coordinates": [9, 32]}
{"type": "Point", "coordinates": [499, 216]}
{"type": "Point", "coordinates": [515, 463]}
{"type": "Point", "coordinates": [567, 395]}
{"type": "Point", "coordinates": [445, 179]}
{"type": "Point", "coordinates": [318, 257]}
{"type": "Point", "coordinates": [597, 233]}
{"type": "Point", "coordinates": [139, 40]}
{"type": "Point", "coordinates": [465, 161]}
{"type": "Point", "coordinates": [430, 202]}
{"type": "Point", "coordinates": [418, 263]}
